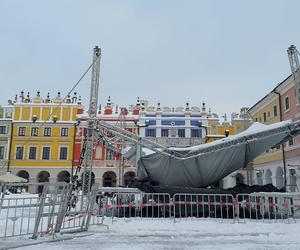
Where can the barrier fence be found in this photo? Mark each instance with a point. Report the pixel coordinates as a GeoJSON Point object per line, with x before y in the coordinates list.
{"type": "Point", "coordinates": [57, 209]}
{"type": "Point", "coordinates": [212, 206]}
{"type": "Point", "coordinates": [268, 206]}
{"type": "Point", "coordinates": [33, 214]}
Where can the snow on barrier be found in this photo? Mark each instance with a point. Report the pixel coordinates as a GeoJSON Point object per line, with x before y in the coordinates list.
{"type": "Point", "coordinates": [268, 207]}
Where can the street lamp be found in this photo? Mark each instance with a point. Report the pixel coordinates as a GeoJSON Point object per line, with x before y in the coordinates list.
{"type": "Point", "coordinates": [34, 118]}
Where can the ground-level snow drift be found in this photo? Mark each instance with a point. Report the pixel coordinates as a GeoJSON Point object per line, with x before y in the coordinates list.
{"type": "Point", "coordinates": [186, 234]}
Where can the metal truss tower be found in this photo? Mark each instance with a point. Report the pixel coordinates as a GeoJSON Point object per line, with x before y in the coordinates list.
{"type": "Point", "coordinates": [295, 67]}
{"type": "Point", "coordinates": [86, 180]}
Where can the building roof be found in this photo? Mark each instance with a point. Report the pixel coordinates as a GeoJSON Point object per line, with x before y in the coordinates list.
{"type": "Point", "coordinates": [272, 91]}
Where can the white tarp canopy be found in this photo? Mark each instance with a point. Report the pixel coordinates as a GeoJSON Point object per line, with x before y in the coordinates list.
{"type": "Point", "coordinates": [203, 165]}
{"type": "Point", "coordinates": [11, 178]}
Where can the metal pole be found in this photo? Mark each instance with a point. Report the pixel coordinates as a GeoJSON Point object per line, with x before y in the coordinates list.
{"type": "Point", "coordinates": [282, 145]}
{"type": "Point", "coordinates": [88, 157]}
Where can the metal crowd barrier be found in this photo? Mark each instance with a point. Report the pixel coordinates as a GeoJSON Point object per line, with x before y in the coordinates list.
{"type": "Point", "coordinates": [212, 206]}
{"type": "Point", "coordinates": [268, 207]}
{"type": "Point", "coordinates": [142, 205]}
{"type": "Point", "coordinates": [78, 216]}
{"type": "Point", "coordinates": [57, 209]}
{"type": "Point", "coordinates": [17, 216]}
{"type": "Point", "coordinates": [33, 214]}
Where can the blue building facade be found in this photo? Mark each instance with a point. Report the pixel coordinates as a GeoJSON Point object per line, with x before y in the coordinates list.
{"type": "Point", "coordinates": [174, 126]}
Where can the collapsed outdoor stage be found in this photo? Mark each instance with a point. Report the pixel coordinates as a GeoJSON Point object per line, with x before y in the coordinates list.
{"type": "Point", "coordinates": [203, 165]}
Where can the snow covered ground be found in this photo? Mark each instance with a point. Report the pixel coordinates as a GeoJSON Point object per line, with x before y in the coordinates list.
{"type": "Point", "coordinates": [156, 233]}
{"type": "Point", "coordinates": [186, 234]}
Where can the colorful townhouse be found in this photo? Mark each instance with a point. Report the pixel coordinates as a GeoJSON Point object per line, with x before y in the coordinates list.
{"type": "Point", "coordinates": [279, 165]}
{"type": "Point", "coordinates": [109, 168]}
{"type": "Point", "coordinates": [6, 113]}
{"type": "Point", "coordinates": [43, 137]}
{"type": "Point", "coordinates": [170, 126]}
{"type": "Point", "coordinates": [48, 135]}
{"type": "Point", "coordinates": [290, 111]}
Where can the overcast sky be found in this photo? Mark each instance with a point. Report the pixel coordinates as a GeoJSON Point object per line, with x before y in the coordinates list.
{"type": "Point", "coordinates": [228, 54]}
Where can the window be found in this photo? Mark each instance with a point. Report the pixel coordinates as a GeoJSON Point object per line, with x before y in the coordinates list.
{"type": "Point", "coordinates": [46, 153]}
{"type": "Point", "coordinates": [22, 131]}
{"type": "Point", "coordinates": [196, 133]}
{"type": "Point", "coordinates": [63, 154]}
{"type": "Point", "coordinates": [2, 152]}
{"type": "Point", "coordinates": [98, 152]}
{"type": "Point", "coordinates": [265, 116]}
{"type": "Point", "coordinates": [164, 133]}
{"type": "Point", "coordinates": [32, 153]}
{"type": "Point", "coordinates": [34, 131]}
{"type": "Point", "coordinates": [129, 129]}
{"type": "Point", "coordinates": [150, 132]}
{"type": "Point", "coordinates": [181, 132]}
{"type": "Point", "coordinates": [275, 110]}
{"type": "Point", "coordinates": [109, 155]}
{"type": "Point", "coordinates": [64, 132]}
{"type": "Point", "coordinates": [256, 119]}
{"type": "Point", "coordinates": [19, 153]}
{"type": "Point", "coordinates": [2, 130]}
{"type": "Point", "coordinates": [47, 131]}
{"type": "Point", "coordinates": [287, 103]}
{"type": "Point", "coordinates": [173, 132]}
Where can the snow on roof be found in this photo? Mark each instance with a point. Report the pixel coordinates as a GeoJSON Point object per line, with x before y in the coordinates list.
{"type": "Point", "coordinates": [11, 178]}
{"type": "Point", "coordinates": [216, 136]}
{"type": "Point", "coordinates": [253, 129]}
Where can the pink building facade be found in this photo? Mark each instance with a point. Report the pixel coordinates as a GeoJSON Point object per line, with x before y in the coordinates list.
{"type": "Point", "coordinates": [290, 110]}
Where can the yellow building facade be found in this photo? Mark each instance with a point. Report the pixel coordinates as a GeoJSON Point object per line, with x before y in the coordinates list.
{"type": "Point", "coordinates": [267, 111]}
{"type": "Point", "coordinates": [43, 134]}
{"type": "Point", "coordinates": [217, 130]}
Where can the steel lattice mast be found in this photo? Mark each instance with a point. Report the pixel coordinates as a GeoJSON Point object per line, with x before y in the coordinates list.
{"type": "Point", "coordinates": [90, 130]}
{"type": "Point", "coordinates": [95, 83]}
{"type": "Point", "coordinates": [295, 67]}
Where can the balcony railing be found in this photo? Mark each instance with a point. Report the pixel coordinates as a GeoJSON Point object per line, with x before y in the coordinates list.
{"type": "Point", "coordinates": [179, 142]}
